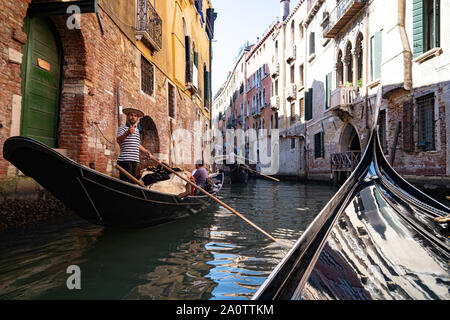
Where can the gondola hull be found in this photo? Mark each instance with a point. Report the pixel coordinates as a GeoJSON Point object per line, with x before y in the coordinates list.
{"type": "Point", "coordinates": [96, 197]}
{"type": "Point", "coordinates": [375, 239]}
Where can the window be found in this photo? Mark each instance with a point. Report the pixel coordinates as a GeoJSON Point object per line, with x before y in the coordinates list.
{"type": "Point", "coordinates": [426, 25]}
{"type": "Point", "coordinates": [302, 107]}
{"type": "Point", "coordinates": [147, 76]}
{"type": "Point", "coordinates": [292, 143]}
{"type": "Point", "coordinates": [293, 74]}
{"type": "Point", "coordinates": [375, 56]}
{"type": "Point", "coordinates": [300, 76]}
{"type": "Point", "coordinates": [172, 102]}
{"type": "Point", "coordinates": [276, 120]}
{"type": "Point", "coordinates": [312, 46]}
{"type": "Point", "coordinates": [319, 151]}
{"type": "Point", "coordinates": [292, 112]}
{"type": "Point", "coordinates": [425, 116]}
{"type": "Point", "coordinates": [328, 79]}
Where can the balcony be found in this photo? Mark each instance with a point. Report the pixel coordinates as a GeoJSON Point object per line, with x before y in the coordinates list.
{"type": "Point", "coordinates": [345, 161]}
{"type": "Point", "coordinates": [275, 103]}
{"type": "Point", "coordinates": [341, 15]}
{"type": "Point", "coordinates": [291, 54]}
{"type": "Point", "coordinates": [275, 70]}
{"type": "Point", "coordinates": [342, 101]}
{"type": "Point", "coordinates": [148, 25]}
{"type": "Point", "coordinates": [291, 92]}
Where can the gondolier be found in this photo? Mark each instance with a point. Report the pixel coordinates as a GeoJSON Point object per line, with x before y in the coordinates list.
{"type": "Point", "coordinates": [129, 139]}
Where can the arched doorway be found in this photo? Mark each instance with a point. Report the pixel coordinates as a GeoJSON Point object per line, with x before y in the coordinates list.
{"type": "Point", "coordinates": [345, 162]}
{"type": "Point", "coordinates": [41, 81]}
{"type": "Point", "coordinates": [149, 138]}
{"type": "Point", "coordinates": [350, 139]}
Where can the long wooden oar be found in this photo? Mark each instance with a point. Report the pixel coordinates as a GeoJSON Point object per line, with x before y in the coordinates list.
{"type": "Point", "coordinates": [130, 176]}
{"type": "Point", "coordinates": [217, 200]}
{"type": "Point", "coordinates": [269, 177]}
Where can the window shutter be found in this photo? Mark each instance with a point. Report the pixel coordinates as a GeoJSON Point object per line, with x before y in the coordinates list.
{"type": "Point", "coordinates": [319, 151]}
{"type": "Point", "coordinates": [322, 145]}
{"type": "Point", "coordinates": [418, 28]}
{"type": "Point", "coordinates": [196, 59]}
{"type": "Point", "coordinates": [308, 105]}
{"type": "Point", "coordinates": [377, 55]}
{"type": "Point", "coordinates": [187, 43]}
{"type": "Point", "coordinates": [437, 24]}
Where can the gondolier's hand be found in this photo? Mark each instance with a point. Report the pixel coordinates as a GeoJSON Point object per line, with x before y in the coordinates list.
{"type": "Point", "coordinates": [131, 130]}
{"type": "Point", "coordinates": [148, 154]}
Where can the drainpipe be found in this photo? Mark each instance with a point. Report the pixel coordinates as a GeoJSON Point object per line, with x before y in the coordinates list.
{"type": "Point", "coordinates": [407, 53]}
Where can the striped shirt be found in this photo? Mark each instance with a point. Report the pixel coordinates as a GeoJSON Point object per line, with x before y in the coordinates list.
{"type": "Point", "coordinates": [129, 149]}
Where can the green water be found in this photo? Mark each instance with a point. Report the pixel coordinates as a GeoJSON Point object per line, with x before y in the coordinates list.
{"type": "Point", "coordinates": [212, 255]}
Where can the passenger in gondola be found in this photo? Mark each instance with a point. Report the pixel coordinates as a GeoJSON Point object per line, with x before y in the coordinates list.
{"type": "Point", "coordinates": [201, 175]}
{"type": "Point", "coordinates": [130, 143]}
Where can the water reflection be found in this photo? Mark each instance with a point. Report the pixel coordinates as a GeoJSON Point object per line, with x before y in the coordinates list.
{"type": "Point", "coordinates": [213, 255]}
{"type": "Point", "coordinates": [373, 253]}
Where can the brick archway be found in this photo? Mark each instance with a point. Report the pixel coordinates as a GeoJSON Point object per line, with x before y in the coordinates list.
{"type": "Point", "coordinates": [149, 138]}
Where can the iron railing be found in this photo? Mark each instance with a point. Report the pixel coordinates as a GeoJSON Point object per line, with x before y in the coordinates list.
{"type": "Point", "coordinates": [345, 161]}
{"type": "Point", "coordinates": [148, 25]}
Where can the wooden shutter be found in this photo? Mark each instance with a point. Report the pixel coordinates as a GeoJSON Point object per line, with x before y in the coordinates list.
{"type": "Point", "coordinates": [437, 24]}
{"type": "Point", "coordinates": [187, 43]}
{"type": "Point", "coordinates": [319, 151]}
{"type": "Point", "coordinates": [418, 28]}
{"type": "Point", "coordinates": [308, 104]}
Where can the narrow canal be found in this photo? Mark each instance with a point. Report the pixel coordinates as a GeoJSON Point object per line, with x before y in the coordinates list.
{"type": "Point", "coordinates": [213, 255]}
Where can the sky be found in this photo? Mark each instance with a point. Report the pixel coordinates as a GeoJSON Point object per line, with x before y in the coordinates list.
{"type": "Point", "coordinates": [238, 21]}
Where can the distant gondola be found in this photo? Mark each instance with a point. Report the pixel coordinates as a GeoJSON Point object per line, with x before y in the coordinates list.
{"type": "Point", "coordinates": [375, 239]}
{"type": "Point", "coordinates": [96, 197]}
{"type": "Point", "coordinates": [238, 174]}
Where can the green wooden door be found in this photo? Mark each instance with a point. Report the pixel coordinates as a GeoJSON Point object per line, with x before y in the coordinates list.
{"type": "Point", "coordinates": [41, 72]}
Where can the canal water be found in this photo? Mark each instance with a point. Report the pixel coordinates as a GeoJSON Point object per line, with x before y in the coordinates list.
{"type": "Point", "coordinates": [212, 255]}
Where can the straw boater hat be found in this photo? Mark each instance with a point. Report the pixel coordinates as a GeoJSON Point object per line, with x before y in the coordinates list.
{"type": "Point", "coordinates": [139, 113]}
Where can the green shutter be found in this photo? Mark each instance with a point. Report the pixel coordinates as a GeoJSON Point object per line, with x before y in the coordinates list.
{"type": "Point", "coordinates": [377, 55]}
{"type": "Point", "coordinates": [308, 105]}
{"type": "Point", "coordinates": [322, 144]}
{"type": "Point", "coordinates": [319, 147]}
{"type": "Point", "coordinates": [418, 28]}
{"type": "Point", "coordinates": [196, 59]}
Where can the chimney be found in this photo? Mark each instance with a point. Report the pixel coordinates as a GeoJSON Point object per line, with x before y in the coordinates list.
{"type": "Point", "coordinates": [285, 8]}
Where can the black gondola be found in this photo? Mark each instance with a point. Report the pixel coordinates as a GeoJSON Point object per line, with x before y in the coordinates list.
{"type": "Point", "coordinates": [238, 174]}
{"type": "Point", "coordinates": [375, 239]}
{"type": "Point", "coordinates": [96, 197]}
